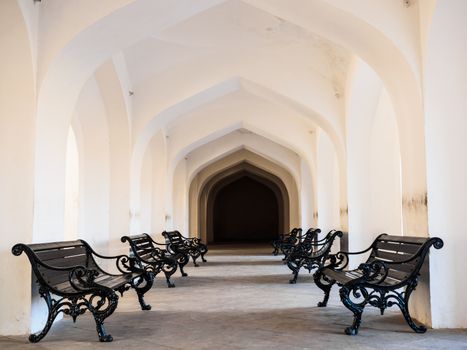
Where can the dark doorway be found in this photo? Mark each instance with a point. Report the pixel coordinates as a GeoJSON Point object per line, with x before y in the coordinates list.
{"type": "Point", "coordinates": [246, 210]}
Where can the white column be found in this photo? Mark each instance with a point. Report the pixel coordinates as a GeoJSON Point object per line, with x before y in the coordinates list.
{"type": "Point", "coordinates": [446, 130]}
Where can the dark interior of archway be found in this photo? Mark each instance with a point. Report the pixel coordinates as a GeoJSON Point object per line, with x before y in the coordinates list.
{"type": "Point", "coordinates": [245, 210]}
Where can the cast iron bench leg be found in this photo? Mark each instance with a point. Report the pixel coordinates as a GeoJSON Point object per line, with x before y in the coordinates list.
{"type": "Point", "coordinates": [194, 257]}
{"type": "Point", "coordinates": [182, 261]}
{"type": "Point", "coordinates": [140, 291]}
{"type": "Point", "coordinates": [52, 314]}
{"type": "Point", "coordinates": [404, 306]}
{"type": "Point", "coordinates": [168, 274]}
{"type": "Point", "coordinates": [325, 284]}
{"type": "Point", "coordinates": [357, 310]}
{"type": "Point", "coordinates": [295, 267]}
{"type": "Point", "coordinates": [202, 255]}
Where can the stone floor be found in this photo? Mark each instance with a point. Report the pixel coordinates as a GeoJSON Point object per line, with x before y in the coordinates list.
{"type": "Point", "coordinates": [239, 299]}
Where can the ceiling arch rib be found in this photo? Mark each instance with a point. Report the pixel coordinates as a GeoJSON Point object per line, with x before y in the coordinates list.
{"type": "Point", "coordinates": [223, 90]}
{"type": "Point", "coordinates": [262, 118]}
{"type": "Point", "coordinates": [300, 84]}
{"type": "Point", "coordinates": [242, 139]}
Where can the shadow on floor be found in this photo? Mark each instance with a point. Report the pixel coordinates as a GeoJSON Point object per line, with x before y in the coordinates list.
{"type": "Point", "coordinates": [281, 325]}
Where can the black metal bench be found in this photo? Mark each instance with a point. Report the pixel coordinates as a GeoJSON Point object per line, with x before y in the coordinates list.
{"type": "Point", "coordinates": [310, 253]}
{"type": "Point", "coordinates": [179, 244]}
{"type": "Point", "coordinates": [387, 278]}
{"type": "Point", "coordinates": [302, 240]}
{"type": "Point", "coordinates": [286, 239]}
{"type": "Point", "coordinates": [71, 281]}
{"type": "Point", "coordinates": [153, 258]}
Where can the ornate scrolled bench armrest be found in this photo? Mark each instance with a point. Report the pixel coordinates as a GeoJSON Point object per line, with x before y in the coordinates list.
{"type": "Point", "coordinates": [330, 236]}
{"type": "Point", "coordinates": [338, 261]}
{"type": "Point", "coordinates": [374, 272]}
{"type": "Point", "coordinates": [123, 263]}
{"type": "Point", "coordinates": [85, 277]}
{"type": "Point", "coordinates": [158, 253]}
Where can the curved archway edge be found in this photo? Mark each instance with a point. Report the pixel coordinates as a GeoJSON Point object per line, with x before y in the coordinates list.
{"type": "Point", "coordinates": [207, 177]}
{"type": "Point", "coordinates": [224, 179]}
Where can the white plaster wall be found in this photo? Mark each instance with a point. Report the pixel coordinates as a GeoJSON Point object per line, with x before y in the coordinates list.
{"type": "Point", "coordinates": [31, 19]}
{"type": "Point", "coordinates": [385, 170]}
{"type": "Point", "coordinates": [141, 216]}
{"type": "Point", "coordinates": [362, 102]}
{"type": "Point", "coordinates": [393, 19]}
{"type": "Point", "coordinates": [17, 107]}
{"type": "Point", "coordinates": [446, 126]}
{"type": "Point", "coordinates": [72, 182]}
{"type": "Point", "coordinates": [95, 163]}
{"type": "Point", "coordinates": [119, 148]}
{"type": "Point", "coordinates": [159, 176]}
{"type": "Point", "coordinates": [308, 205]}
{"type": "Point", "coordinates": [60, 21]}
{"type": "Point", "coordinates": [328, 186]}
{"type": "Point", "coordinates": [375, 47]}
{"type": "Point", "coordinates": [375, 174]}
{"type": "Point", "coordinates": [180, 214]}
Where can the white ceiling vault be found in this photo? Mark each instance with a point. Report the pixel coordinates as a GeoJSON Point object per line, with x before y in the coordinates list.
{"type": "Point", "coordinates": [169, 53]}
{"type": "Point", "coordinates": [197, 71]}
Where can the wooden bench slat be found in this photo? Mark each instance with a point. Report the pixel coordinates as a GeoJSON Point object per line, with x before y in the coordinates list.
{"type": "Point", "coordinates": [46, 255]}
{"type": "Point", "coordinates": [397, 274]}
{"type": "Point", "coordinates": [147, 246]}
{"type": "Point", "coordinates": [36, 247]}
{"type": "Point", "coordinates": [405, 239]}
{"type": "Point", "coordinates": [389, 256]}
{"type": "Point", "coordinates": [407, 248]}
{"type": "Point", "coordinates": [68, 259]}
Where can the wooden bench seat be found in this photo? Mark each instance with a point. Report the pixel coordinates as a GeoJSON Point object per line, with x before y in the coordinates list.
{"type": "Point", "coordinates": [387, 278]}
{"type": "Point", "coordinates": [72, 282]}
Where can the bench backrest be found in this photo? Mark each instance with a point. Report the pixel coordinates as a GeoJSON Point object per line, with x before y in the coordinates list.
{"type": "Point", "coordinates": [323, 246]}
{"type": "Point", "coordinates": [410, 251]}
{"type": "Point", "coordinates": [56, 254]}
{"type": "Point", "coordinates": [173, 237]}
{"type": "Point", "coordinates": [310, 235]}
{"type": "Point", "coordinates": [141, 245]}
{"type": "Point", "coordinates": [293, 236]}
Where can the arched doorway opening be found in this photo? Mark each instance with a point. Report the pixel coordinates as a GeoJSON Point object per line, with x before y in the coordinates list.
{"type": "Point", "coordinates": [245, 208]}
{"type": "Point", "coordinates": [244, 203]}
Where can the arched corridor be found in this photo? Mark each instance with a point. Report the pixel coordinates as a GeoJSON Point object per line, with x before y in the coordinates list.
{"type": "Point", "coordinates": [233, 121]}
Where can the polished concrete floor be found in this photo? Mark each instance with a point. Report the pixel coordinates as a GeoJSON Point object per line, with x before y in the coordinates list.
{"type": "Point", "coordinates": [239, 299]}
